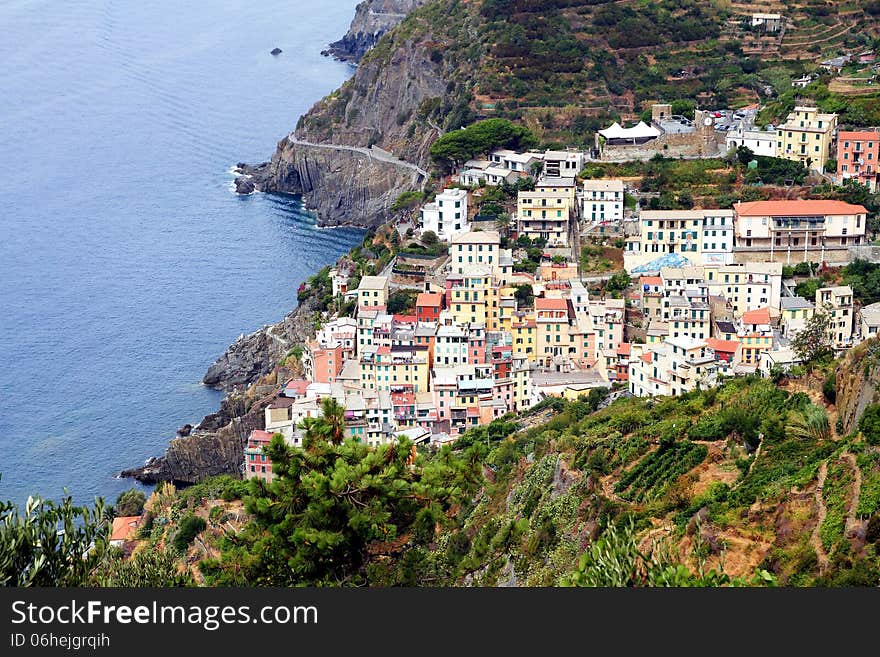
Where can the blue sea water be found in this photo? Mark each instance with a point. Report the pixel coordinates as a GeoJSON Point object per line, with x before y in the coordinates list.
{"type": "Point", "coordinates": [127, 265]}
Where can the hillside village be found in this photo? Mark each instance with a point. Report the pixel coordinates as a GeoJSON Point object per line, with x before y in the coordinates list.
{"type": "Point", "coordinates": [478, 312]}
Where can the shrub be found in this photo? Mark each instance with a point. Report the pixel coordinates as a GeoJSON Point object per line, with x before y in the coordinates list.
{"type": "Point", "coordinates": [869, 424]}
{"type": "Point", "coordinates": [187, 530]}
{"type": "Point", "coordinates": [130, 503]}
{"type": "Point", "coordinates": [829, 388]}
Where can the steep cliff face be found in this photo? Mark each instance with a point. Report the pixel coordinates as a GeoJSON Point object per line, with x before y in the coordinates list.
{"type": "Point", "coordinates": [194, 458]}
{"type": "Point", "coordinates": [858, 382]}
{"type": "Point", "coordinates": [363, 145]}
{"type": "Point", "coordinates": [372, 19]}
{"type": "Point", "coordinates": [343, 187]}
{"type": "Point", "coordinates": [255, 355]}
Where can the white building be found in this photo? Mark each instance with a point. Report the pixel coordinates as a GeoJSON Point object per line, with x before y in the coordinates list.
{"type": "Point", "coordinates": [563, 163]}
{"type": "Point", "coordinates": [746, 286]}
{"type": "Point", "coordinates": [700, 237]}
{"type": "Point", "coordinates": [447, 216]}
{"type": "Point", "coordinates": [513, 161]}
{"type": "Point", "coordinates": [837, 303]}
{"type": "Point", "coordinates": [602, 200]}
{"type": "Point", "coordinates": [672, 367]}
{"type": "Point", "coordinates": [760, 142]}
{"type": "Point", "coordinates": [869, 321]}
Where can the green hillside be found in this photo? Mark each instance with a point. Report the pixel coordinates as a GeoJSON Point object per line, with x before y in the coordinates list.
{"type": "Point", "coordinates": [565, 67]}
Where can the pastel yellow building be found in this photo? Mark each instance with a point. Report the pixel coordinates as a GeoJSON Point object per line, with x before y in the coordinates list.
{"type": "Point", "coordinates": [524, 333]}
{"type": "Point", "coordinates": [544, 214]}
{"type": "Point", "coordinates": [395, 370]}
{"type": "Point", "coordinates": [806, 137]}
{"type": "Point", "coordinates": [553, 336]}
{"type": "Point", "coordinates": [471, 295]}
{"type": "Point", "coordinates": [373, 292]}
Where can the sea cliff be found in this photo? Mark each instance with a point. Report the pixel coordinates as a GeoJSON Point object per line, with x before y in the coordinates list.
{"type": "Point", "coordinates": [350, 157]}
{"type": "Point", "coordinates": [372, 19]}
{"type": "Point", "coordinates": [362, 146]}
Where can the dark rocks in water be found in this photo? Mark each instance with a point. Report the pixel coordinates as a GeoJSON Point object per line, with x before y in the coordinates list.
{"type": "Point", "coordinates": [244, 185]}
{"type": "Point", "coordinates": [276, 51]}
{"type": "Point", "coordinates": [185, 430]}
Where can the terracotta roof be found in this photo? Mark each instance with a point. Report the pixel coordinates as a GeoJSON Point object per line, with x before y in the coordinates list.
{"type": "Point", "coordinates": [759, 316]}
{"type": "Point", "coordinates": [432, 299]}
{"type": "Point", "coordinates": [722, 345]}
{"type": "Point", "coordinates": [648, 357]}
{"type": "Point", "coordinates": [259, 434]}
{"type": "Point", "coordinates": [124, 527]}
{"type": "Point", "coordinates": [551, 304]}
{"type": "Point", "coordinates": [299, 385]}
{"type": "Point", "coordinates": [796, 208]}
{"type": "Point", "coordinates": [651, 280]}
{"type": "Point", "coordinates": [624, 349]}
{"type": "Point", "coordinates": [857, 134]}
{"type": "Point", "coordinates": [383, 350]}
{"type": "Point", "coordinates": [406, 319]}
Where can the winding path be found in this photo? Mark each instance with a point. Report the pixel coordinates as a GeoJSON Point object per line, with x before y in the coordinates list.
{"type": "Point", "coordinates": [821, 510]}
{"type": "Point", "coordinates": [372, 153]}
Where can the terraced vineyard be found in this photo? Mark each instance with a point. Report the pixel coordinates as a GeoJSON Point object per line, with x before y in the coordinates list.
{"type": "Point", "coordinates": [653, 475]}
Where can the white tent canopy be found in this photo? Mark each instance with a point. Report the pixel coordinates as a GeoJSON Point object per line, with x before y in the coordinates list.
{"type": "Point", "coordinates": [640, 131]}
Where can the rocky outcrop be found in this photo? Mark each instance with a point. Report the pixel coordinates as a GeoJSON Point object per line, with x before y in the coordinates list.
{"type": "Point", "coordinates": [255, 355]}
{"type": "Point", "coordinates": [191, 459]}
{"type": "Point", "coordinates": [342, 187]}
{"type": "Point", "coordinates": [372, 19]}
{"type": "Point", "coordinates": [858, 383]}
{"type": "Point", "coordinates": [353, 153]}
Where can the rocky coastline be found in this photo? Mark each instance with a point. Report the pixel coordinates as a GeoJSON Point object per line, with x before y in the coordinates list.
{"type": "Point", "coordinates": [346, 182]}
{"type": "Point", "coordinates": [248, 371]}
{"type": "Point", "coordinates": [372, 19]}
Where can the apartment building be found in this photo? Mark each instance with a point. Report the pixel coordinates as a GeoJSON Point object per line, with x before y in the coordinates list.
{"type": "Point", "coordinates": [481, 247]}
{"type": "Point", "coordinates": [544, 215]}
{"type": "Point", "coordinates": [602, 200]}
{"type": "Point", "coordinates": [858, 156]}
{"type": "Point", "coordinates": [447, 215]}
{"type": "Point", "coordinates": [798, 231]}
{"type": "Point", "coordinates": [559, 164]}
{"type": "Point", "coordinates": [373, 292]}
{"type": "Point", "coordinates": [746, 286]}
{"type": "Point", "coordinates": [807, 136]}
{"type": "Point", "coordinates": [672, 367]}
{"type": "Point", "coordinates": [700, 236]}
{"type": "Point", "coordinates": [795, 312]}
{"type": "Point", "coordinates": [837, 303]}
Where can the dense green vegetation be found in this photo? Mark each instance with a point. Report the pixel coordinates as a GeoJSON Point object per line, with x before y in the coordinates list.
{"type": "Point", "coordinates": [478, 138]}
{"type": "Point", "coordinates": [652, 476]}
{"type": "Point", "coordinates": [51, 544]}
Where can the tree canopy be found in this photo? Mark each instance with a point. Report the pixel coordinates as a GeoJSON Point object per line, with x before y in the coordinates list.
{"type": "Point", "coordinates": [334, 507]}
{"type": "Point", "coordinates": [480, 137]}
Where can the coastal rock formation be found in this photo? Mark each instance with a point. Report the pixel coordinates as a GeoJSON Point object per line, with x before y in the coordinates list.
{"type": "Point", "coordinates": [343, 187]}
{"type": "Point", "coordinates": [372, 19]}
{"type": "Point", "coordinates": [190, 459]}
{"type": "Point", "coordinates": [360, 147]}
{"type": "Point", "coordinates": [255, 355]}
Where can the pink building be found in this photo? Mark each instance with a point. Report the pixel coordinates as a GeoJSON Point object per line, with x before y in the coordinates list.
{"type": "Point", "coordinates": [256, 463]}
{"type": "Point", "coordinates": [858, 153]}
{"type": "Point", "coordinates": [326, 363]}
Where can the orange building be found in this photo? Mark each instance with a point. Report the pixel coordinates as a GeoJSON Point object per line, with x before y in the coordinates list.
{"type": "Point", "coordinates": [428, 306]}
